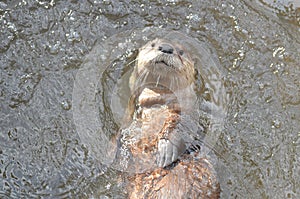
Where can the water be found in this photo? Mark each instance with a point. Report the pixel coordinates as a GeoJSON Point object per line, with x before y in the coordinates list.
{"type": "Point", "coordinates": [44, 45]}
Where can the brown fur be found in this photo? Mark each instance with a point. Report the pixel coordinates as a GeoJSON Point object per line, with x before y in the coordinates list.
{"type": "Point", "coordinates": [156, 118]}
{"type": "Point", "coordinates": [188, 179]}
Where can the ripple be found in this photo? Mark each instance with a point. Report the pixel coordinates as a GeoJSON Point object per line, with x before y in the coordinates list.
{"type": "Point", "coordinates": [101, 93]}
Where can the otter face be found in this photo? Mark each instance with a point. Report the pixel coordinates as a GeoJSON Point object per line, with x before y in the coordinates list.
{"type": "Point", "coordinates": [163, 62]}
{"type": "Point", "coordinates": [164, 57]}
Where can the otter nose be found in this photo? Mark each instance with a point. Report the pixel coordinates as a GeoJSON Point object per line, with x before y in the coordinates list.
{"type": "Point", "coordinates": [166, 48]}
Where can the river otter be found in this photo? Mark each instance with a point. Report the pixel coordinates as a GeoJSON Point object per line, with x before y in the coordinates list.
{"type": "Point", "coordinates": [160, 148]}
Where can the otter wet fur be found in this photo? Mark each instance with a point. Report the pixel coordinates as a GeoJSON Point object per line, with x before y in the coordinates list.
{"type": "Point", "coordinates": [159, 147]}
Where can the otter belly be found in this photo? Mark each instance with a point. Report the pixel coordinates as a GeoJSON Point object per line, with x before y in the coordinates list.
{"type": "Point", "coordinates": [160, 163]}
{"type": "Point", "coordinates": [153, 139]}
{"type": "Point", "coordinates": [190, 178]}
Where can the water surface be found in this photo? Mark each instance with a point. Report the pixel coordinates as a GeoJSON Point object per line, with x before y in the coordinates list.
{"type": "Point", "coordinates": [44, 44]}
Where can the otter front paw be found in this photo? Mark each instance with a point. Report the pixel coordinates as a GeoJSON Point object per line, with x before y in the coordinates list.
{"type": "Point", "coordinates": [169, 151]}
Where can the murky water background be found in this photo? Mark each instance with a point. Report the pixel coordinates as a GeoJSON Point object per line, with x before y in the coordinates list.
{"type": "Point", "coordinates": [43, 44]}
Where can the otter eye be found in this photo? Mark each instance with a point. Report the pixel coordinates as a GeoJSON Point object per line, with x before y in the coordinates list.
{"type": "Point", "coordinates": [180, 52]}
{"type": "Point", "coordinates": [152, 45]}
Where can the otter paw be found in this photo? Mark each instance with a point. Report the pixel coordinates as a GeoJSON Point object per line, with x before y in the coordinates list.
{"type": "Point", "coordinates": [167, 152]}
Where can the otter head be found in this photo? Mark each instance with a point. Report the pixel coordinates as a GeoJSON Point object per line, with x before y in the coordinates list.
{"type": "Point", "coordinates": [163, 63]}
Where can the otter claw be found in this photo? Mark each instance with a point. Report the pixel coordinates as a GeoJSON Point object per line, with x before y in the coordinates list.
{"type": "Point", "coordinates": [167, 152]}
